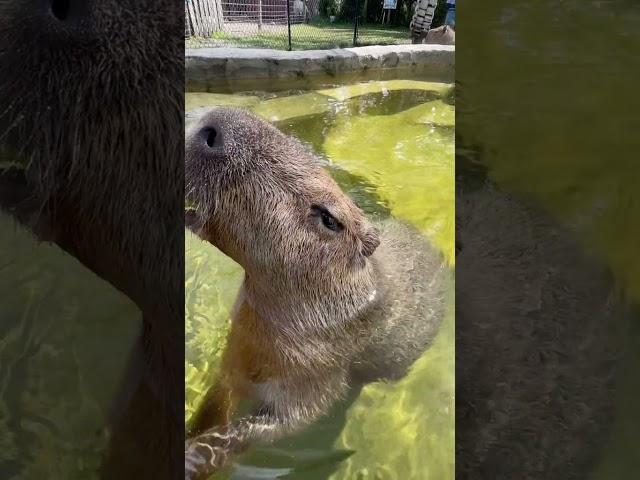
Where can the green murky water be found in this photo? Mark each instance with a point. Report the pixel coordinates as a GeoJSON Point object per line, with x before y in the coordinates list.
{"type": "Point", "coordinates": [391, 147]}
{"type": "Point", "coordinates": [64, 340]}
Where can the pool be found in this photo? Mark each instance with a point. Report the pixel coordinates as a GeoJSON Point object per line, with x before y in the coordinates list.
{"type": "Point", "coordinates": [390, 145]}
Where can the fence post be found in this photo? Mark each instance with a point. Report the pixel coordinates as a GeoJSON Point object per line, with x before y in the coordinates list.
{"type": "Point", "coordinates": [289, 23]}
{"type": "Point", "coordinates": [355, 24]}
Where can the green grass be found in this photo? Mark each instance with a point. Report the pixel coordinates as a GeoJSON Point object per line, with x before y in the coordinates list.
{"type": "Point", "coordinates": [306, 37]}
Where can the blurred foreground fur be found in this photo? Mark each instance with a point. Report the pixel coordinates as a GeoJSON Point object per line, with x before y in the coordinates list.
{"type": "Point", "coordinates": [91, 140]}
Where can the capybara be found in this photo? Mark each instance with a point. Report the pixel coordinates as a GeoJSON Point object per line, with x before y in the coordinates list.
{"type": "Point", "coordinates": [328, 301]}
{"type": "Point", "coordinates": [91, 137]}
{"type": "Point", "coordinates": [443, 35]}
{"type": "Point", "coordinates": [536, 343]}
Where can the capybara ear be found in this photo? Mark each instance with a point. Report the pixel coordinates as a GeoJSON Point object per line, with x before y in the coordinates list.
{"type": "Point", "coordinates": [370, 239]}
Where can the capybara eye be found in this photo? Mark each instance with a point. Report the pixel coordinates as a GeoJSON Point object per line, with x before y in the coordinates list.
{"type": "Point", "coordinates": [211, 136]}
{"type": "Point", "coordinates": [328, 220]}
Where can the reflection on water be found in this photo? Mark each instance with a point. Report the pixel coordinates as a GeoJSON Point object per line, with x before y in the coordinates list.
{"type": "Point", "coordinates": [390, 145]}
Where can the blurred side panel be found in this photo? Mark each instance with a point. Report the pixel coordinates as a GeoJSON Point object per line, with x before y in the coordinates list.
{"type": "Point", "coordinates": [547, 223]}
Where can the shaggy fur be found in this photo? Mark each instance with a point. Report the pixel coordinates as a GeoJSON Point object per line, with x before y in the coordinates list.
{"type": "Point", "coordinates": [320, 309]}
{"type": "Point", "coordinates": [90, 116]}
{"type": "Point", "coordinates": [535, 344]}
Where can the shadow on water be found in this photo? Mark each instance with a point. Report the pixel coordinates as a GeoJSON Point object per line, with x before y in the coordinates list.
{"type": "Point", "coordinates": [311, 129]}
{"type": "Point", "coordinates": [389, 102]}
{"type": "Point", "coordinates": [361, 191]}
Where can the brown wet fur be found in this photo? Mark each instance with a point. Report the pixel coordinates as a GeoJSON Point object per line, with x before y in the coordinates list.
{"type": "Point", "coordinates": [321, 309]}
{"type": "Point", "coordinates": [91, 114]}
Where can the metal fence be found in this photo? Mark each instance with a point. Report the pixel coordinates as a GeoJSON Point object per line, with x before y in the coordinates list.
{"type": "Point", "coordinates": [294, 24]}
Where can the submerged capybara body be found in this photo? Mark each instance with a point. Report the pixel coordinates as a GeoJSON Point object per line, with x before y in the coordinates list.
{"type": "Point", "coordinates": [328, 299]}
{"type": "Point", "coordinates": [536, 343]}
{"type": "Point", "coordinates": [90, 122]}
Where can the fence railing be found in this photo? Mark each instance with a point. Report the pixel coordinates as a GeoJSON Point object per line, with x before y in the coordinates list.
{"type": "Point", "coordinates": [291, 24]}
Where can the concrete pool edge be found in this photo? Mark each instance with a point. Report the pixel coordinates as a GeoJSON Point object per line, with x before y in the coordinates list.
{"type": "Point", "coordinates": [237, 69]}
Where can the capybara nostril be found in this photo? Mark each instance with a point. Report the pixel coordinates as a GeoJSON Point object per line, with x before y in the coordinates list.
{"type": "Point", "coordinates": [70, 12]}
{"type": "Point", "coordinates": [60, 9]}
{"type": "Point", "coordinates": [210, 134]}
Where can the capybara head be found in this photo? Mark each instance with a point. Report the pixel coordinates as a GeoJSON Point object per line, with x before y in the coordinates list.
{"type": "Point", "coordinates": [91, 94]}
{"type": "Point", "coordinates": [266, 201]}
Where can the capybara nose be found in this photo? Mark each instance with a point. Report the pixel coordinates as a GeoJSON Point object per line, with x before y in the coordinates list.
{"type": "Point", "coordinates": [69, 12]}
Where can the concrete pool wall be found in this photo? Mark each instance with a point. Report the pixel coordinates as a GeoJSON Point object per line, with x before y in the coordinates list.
{"type": "Point", "coordinates": [237, 69]}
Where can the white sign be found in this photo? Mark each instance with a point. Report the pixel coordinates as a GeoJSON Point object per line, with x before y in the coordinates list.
{"type": "Point", "coordinates": [390, 4]}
